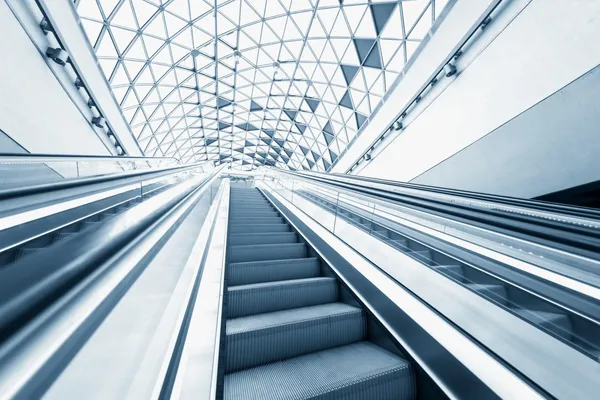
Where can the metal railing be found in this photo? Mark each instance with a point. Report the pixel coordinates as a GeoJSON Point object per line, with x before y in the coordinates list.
{"type": "Point", "coordinates": [522, 339]}
{"type": "Point", "coordinates": [18, 170]}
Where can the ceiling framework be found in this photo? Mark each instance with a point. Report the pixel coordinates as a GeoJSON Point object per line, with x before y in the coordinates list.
{"type": "Point", "coordinates": [286, 83]}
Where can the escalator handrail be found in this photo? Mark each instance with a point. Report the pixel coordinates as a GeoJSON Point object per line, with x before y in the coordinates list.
{"type": "Point", "coordinates": [581, 303]}
{"type": "Point", "coordinates": [457, 306]}
{"type": "Point", "coordinates": [576, 211]}
{"type": "Point", "coordinates": [71, 183]}
{"type": "Point", "coordinates": [579, 240]}
{"type": "Point", "coordinates": [38, 157]}
{"type": "Point", "coordinates": [62, 262]}
{"type": "Point", "coordinates": [58, 331]}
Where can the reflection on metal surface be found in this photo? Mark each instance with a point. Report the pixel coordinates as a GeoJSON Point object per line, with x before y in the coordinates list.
{"type": "Point", "coordinates": [28, 358]}
{"type": "Point", "coordinates": [503, 381]}
{"type": "Point", "coordinates": [361, 229]}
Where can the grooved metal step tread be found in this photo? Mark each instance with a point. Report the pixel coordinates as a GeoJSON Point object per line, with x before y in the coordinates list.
{"type": "Point", "coordinates": [289, 282]}
{"type": "Point", "coordinates": [264, 321]}
{"type": "Point", "coordinates": [559, 324]}
{"type": "Point", "coordinates": [258, 298]}
{"type": "Point", "coordinates": [244, 210]}
{"type": "Point", "coordinates": [234, 217]}
{"type": "Point", "coordinates": [257, 220]}
{"type": "Point", "coordinates": [258, 252]}
{"type": "Point", "coordinates": [257, 228]}
{"type": "Point", "coordinates": [356, 371]}
{"type": "Point", "coordinates": [264, 338]}
{"type": "Point", "coordinates": [244, 273]}
{"type": "Point", "coordinates": [244, 213]}
{"type": "Point", "coordinates": [250, 204]}
{"type": "Point", "coordinates": [262, 238]}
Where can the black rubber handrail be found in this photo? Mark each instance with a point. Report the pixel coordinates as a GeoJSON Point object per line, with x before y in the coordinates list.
{"type": "Point", "coordinates": [84, 157]}
{"type": "Point", "coordinates": [506, 200]}
{"type": "Point", "coordinates": [571, 238]}
{"type": "Point", "coordinates": [71, 183]}
{"type": "Point", "coordinates": [29, 285]}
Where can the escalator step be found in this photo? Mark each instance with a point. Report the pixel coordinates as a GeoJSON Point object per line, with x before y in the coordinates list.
{"type": "Point", "coordinates": [262, 238]}
{"type": "Point", "coordinates": [495, 292]}
{"type": "Point", "coordinates": [245, 273]}
{"type": "Point", "coordinates": [265, 338]}
{"type": "Point", "coordinates": [258, 228]}
{"type": "Point", "coordinates": [250, 205]}
{"type": "Point", "coordinates": [265, 297]}
{"type": "Point", "coordinates": [257, 220]}
{"type": "Point", "coordinates": [263, 215]}
{"type": "Point", "coordinates": [356, 371]}
{"type": "Point", "coordinates": [247, 211]}
{"type": "Point", "coordinates": [260, 252]}
{"type": "Point", "coordinates": [248, 201]}
{"type": "Point", "coordinates": [559, 324]}
{"type": "Point", "coordinates": [252, 213]}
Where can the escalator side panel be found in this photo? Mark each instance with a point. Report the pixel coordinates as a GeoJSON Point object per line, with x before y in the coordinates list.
{"type": "Point", "coordinates": [438, 366]}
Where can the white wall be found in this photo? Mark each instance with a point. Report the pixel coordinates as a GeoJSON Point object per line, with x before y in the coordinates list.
{"type": "Point", "coordinates": [35, 110]}
{"type": "Point", "coordinates": [552, 146]}
{"type": "Point", "coordinates": [547, 45]}
{"type": "Point", "coordinates": [458, 18]}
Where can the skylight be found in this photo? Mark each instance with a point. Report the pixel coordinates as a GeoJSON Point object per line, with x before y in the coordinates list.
{"type": "Point", "coordinates": [286, 83]}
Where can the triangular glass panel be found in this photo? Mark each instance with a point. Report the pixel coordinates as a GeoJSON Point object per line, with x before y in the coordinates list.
{"type": "Point", "coordinates": [363, 48]}
{"type": "Point", "coordinates": [291, 114]}
{"type": "Point", "coordinates": [313, 104]}
{"type": "Point", "coordinates": [221, 102]}
{"type": "Point", "coordinates": [349, 72]}
{"type": "Point", "coordinates": [360, 119]}
{"type": "Point", "coordinates": [374, 59]}
{"type": "Point", "coordinates": [381, 14]}
{"type": "Point", "coordinates": [347, 101]}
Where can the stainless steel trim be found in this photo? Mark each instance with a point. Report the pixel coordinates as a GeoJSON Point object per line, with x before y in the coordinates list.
{"type": "Point", "coordinates": [184, 289]}
{"type": "Point", "coordinates": [471, 237]}
{"type": "Point", "coordinates": [490, 370]}
{"type": "Point", "coordinates": [31, 215]}
{"type": "Point", "coordinates": [28, 356]}
{"type": "Point", "coordinates": [197, 374]}
{"type": "Point", "coordinates": [542, 273]}
{"type": "Point", "coordinates": [554, 216]}
{"type": "Point", "coordinates": [17, 157]}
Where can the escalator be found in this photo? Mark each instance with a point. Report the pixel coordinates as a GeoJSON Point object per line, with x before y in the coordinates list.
{"type": "Point", "coordinates": [17, 253]}
{"type": "Point", "coordinates": [573, 319]}
{"type": "Point", "coordinates": [53, 250]}
{"type": "Point", "coordinates": [292, 329]}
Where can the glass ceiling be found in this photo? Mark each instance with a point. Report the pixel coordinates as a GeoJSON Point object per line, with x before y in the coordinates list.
{"type": "Point", "coordinates": [286, 83]}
